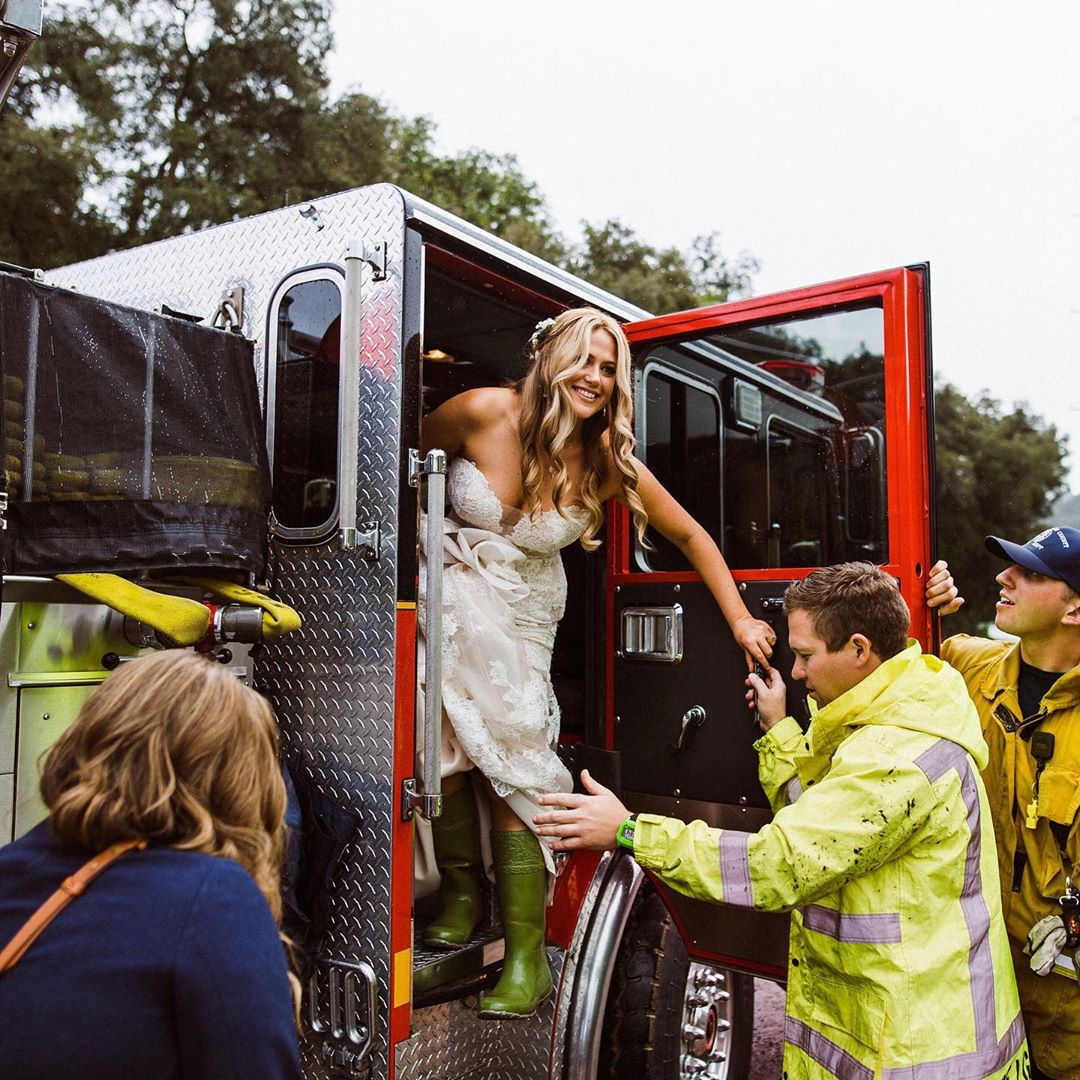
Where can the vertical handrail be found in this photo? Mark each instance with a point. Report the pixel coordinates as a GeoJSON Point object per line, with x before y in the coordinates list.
{"type": "Point", "coordinates": [349, 404]}
{"type": "Point", "coordinates": [433, 468]}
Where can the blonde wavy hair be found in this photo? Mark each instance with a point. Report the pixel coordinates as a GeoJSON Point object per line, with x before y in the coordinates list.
{"type": "Point", "coordinates": [173, 749]}
{"type": "Point", "coordinates": [548, 421]}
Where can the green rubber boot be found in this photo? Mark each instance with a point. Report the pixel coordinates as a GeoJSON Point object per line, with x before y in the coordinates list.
{"type": "Point", "coordinates": [521, 886]}
{"type": "Point", "coordinates": [456, 833]}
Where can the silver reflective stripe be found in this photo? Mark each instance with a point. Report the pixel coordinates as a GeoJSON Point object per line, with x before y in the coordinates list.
{"type": "Point", "coordinates": [794, 790]}
{"type": "Point", "coordinates": [735, 868]}
{"type": "Point", "coordinates": [935, 762]}
{"type": "Point", "coordinates": [876, 929]}
{"type": "Point", "coordinates": [978, 1063]}
{"type": "Point", "coordinates": [824, 1051]}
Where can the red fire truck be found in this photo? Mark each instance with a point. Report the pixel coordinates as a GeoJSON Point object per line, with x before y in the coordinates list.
{"type": "Point", "coordinates": [795, 428]}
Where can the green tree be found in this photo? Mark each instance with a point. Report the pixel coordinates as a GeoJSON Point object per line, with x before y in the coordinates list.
{"type": "Point", "coordinates": [215, 97]}
{"type": "Point", "coordinates": [155, 117]}
{"type": "Point", "coordinates": [148, 118]}
{"type": "Point", "coordinates": [51, 130]}
{"type": "Point", "coordinates": [660, 280]}
{"type": "Point", "coordinates": [718, 279]}
{"type": "Point", "coordinates": [489, 190]}
{"type": "Point", "coordinates": [45, 217]}
{"type": "Point", "coordinates": [998, 472]}
{"type": "Point", "coordinates": [611, 257]}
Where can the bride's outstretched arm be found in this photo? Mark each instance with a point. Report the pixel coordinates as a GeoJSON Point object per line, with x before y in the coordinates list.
{"type": "Point", "coordinates": [755, 637]}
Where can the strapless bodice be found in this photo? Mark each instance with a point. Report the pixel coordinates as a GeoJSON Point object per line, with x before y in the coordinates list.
{"type": "Point", "coordinates": [474, 503]}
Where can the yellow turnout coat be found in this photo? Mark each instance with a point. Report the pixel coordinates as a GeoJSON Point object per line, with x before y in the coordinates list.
{"type": "Point", "coordinates": [1032, 883]}
{"type": "Point", "coordinates": [882, 849]}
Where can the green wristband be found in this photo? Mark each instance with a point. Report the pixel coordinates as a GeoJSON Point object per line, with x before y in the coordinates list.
{"type": "Point", "coordinates": [624, 837]}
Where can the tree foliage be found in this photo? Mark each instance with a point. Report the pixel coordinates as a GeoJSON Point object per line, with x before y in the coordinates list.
{"type": "Point", "coordinates": [999, 472]}
{"type": "Point", "coordinates": [155, 117]}
{"type": "Point", "coordinates": [180, 113]}
{"type": "Point", "coordinates": [659, 280]}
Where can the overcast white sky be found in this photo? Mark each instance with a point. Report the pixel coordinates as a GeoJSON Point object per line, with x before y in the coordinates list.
{"type": "Point", "coordinates": [828, 138]}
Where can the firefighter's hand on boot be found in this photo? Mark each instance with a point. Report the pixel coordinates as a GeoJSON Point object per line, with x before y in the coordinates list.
{"type": "Point", "coordinates": [941, 591]}
{"type": "Point", "coordinates": [771, 697]}
{"type": "Point", "coordinates": [585, 821]}
{"type": "Point", "coordinates": [1045, 944]}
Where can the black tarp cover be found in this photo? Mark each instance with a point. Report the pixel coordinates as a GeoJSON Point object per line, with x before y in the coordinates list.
{"type": "Point", "coordinates": [132, 441]}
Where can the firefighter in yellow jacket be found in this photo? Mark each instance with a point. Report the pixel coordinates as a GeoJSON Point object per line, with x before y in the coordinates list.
{"type": "Point", "coordinates": [1027, 693]}
{"type": "Point", "coordinates": [881, 847]}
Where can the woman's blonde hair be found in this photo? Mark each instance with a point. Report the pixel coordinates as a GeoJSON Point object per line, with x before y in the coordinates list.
{"type": "Point", "coordinates": [548, 421]}
{"type": "Point", "coordinates": [174, 749]}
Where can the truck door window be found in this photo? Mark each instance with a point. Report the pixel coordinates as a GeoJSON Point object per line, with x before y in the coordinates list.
{"type": "Point", "coordinates": [682, 446]}
{"type": "Point", "coordinates": [813, 491]}
{"type": "Point", "coordinates": [302, 393]}
{"type": "Point", "coordinates": [801, 507]}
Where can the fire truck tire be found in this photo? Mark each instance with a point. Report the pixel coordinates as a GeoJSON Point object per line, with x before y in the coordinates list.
{"type": "Point", "coordinates": [668, 1018]}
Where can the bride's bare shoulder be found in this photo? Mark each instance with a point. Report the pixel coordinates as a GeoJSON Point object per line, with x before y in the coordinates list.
{"type": "Point", "coordinates": [483, 406]}
{"type": "Point", "coordinates": [470, 415]}
{"type": "Point", "coordinates": [492, 402]}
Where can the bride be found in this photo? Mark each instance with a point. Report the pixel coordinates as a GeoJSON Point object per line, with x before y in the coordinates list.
{"type": "Point", "coordinates": [532, 468]}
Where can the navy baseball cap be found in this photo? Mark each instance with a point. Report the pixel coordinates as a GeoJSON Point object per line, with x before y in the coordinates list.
{"type": "Point", "coordinates": [1055, 553]}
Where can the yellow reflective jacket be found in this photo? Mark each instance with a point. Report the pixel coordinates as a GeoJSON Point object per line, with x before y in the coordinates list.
{"type": "Point", "coordinates": [1030, 888]}
{"type": "Point", "coordinates": [882, 848]}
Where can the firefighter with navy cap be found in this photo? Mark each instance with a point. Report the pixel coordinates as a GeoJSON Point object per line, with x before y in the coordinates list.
{"type": "Point", "coordinates": [1027, 693]}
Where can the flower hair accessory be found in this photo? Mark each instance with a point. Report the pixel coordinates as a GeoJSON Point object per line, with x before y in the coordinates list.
{"type": "Point", "coordinates": [543, 328]}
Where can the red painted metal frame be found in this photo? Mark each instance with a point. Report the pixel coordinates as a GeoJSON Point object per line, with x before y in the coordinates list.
{"type": "Point", "coordinates": [900, 293]}
{"type": "Point", "coordinates": [401, 843]}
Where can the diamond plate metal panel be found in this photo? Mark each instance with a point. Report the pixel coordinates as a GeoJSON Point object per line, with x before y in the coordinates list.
{"type": "Point", "coordinates": [451, 1042]}
{"type": "Point", "coordinates": [332, 682]}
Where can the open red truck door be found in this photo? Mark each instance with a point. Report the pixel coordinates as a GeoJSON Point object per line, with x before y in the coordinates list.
{"type": "Point", "coordinates": [797, 429]}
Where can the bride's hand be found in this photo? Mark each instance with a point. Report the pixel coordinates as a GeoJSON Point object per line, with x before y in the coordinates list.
{"type": "Point", "coordinates": [756, 638]}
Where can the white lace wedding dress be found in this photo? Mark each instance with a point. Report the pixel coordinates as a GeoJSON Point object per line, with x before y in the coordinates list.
{"type": "Point", "coordinates": [504, 592]}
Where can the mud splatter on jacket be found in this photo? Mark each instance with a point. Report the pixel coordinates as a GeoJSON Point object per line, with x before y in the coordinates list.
{"type": "Point", "coordinates": [882, 849]}
{"type": "Point", "coordinates": [991, 669]}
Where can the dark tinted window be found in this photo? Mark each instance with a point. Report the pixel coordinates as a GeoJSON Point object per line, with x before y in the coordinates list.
{"type": "Point", "coordinates": [792, 414]}
{"type": "Point", "coordinates": [800, 500]}
{"type": "Point", "coordinates": [813, 491]}
{"type": "Point", "coordinates": [305, 443]}
{"type": "Point", "coordinates": [682, 446]}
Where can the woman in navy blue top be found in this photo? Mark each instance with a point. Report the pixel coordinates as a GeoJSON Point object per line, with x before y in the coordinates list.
{"type": "Point", "coordinates": [170, 964]}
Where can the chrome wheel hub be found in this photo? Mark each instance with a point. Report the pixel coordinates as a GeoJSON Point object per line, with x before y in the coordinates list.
{"type": "Point", "coordinates": [706, 1024]}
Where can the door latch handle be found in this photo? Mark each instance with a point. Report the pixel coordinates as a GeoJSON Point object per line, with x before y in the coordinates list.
{"type": "Point", "coordinates": [692, 719]}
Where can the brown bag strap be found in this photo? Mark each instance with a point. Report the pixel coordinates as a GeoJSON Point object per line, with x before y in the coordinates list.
{"type": "Point", "coordinates": [70, 887]}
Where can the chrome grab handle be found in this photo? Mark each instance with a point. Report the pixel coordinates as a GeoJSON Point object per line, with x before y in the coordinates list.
{"type": "Point", "coordinates": [348, 1014]}
{"type": "Point", "coordinates": [349, 404]}
{"type": "Point", "coordinates": [653, 633]}
{"type": "Point", "coordinates": [363, 537]}
{"type": "Point", "coordinates": [433, 467]}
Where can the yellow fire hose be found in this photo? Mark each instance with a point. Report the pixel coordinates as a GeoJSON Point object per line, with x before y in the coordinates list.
{"type": "Point", "coordinates": [176, 617]}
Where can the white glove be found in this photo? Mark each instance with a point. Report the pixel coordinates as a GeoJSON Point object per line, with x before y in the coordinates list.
{"type": "Point", "coordinates": [1045, 944]}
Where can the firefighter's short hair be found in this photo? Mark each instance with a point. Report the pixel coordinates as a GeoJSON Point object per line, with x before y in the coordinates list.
{"type": "Point", "coordinates": [852, 598]}
{"type": "Point", "coordinates": [173, 749]}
